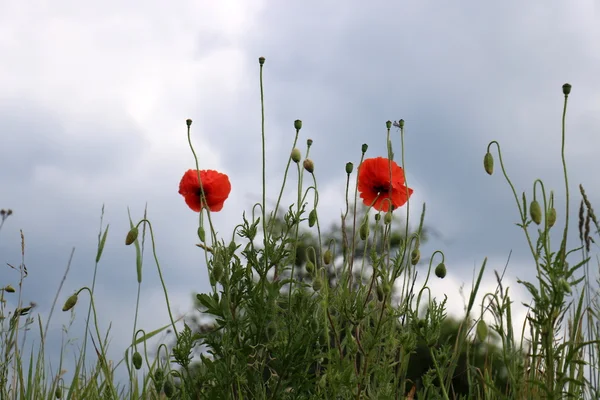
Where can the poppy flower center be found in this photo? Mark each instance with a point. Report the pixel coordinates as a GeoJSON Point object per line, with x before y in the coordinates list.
{"type": "Point", "coordinates": [381, 188]}
{"type": "Point", "coordinates": [199, 192]}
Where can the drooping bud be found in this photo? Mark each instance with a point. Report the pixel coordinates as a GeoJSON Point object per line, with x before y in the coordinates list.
{"type": "Point", "coordinates": [387, 219]}
{"type": "Point", "coordinates": [309, 165]}
{"type": "Point", "coordinates": [440, 271]}
{"type": "Point", "coordinates": [298, 124]}
{"type": "Point", "coordinates": [296, 155]}
{"type": "Point", "coordinates": [377, 217]}
{"type": "Point", "coordinates": [364, 230]}
{"type": "Point", "coordinates": [349, 168]}
{"type": "Point", "coordinates": [169, 389]}
{"type": "Point", "coordinates": [131, 236]}
{"type": "Point", "coordinates": [188, 122]}
{"type": "Point", "coordinates": [137, 360]}
{"type": "Point", "coordinates": [310, 267]}
{"type": "Point", "coordinates": [415, 256]}
{"type": "Point", "coordinates": [566, 89]}
{"type": "Point", "coordinates": [261, 60]}
{"type": "Point", "coordinates": [317, 284]}
{"type": "Point", "coordinates": [327, 257]}
{"type": "Point", "coordinates": [312, 218]}
{"type": "Point", "coordinates": [482, 330]}
{"type": "Point", "coordinates": [201, 235]}
{"type": "Point", "coordinates": [488, 163]}
{"type": "Point", "coordinates": [536, 212]}
{"type": "Point", "coordinates": [388, 124]}
{"type": "Point", "coordinates": [551, 217]}
{"type": "Point", "coordinates": [9, 289]}
{"type": "Point", "coordinates": [70, 303]}
{"type": "Point", "coordinates": [364, 148]}
{"type": "Point", "coordinates": [58, 392]}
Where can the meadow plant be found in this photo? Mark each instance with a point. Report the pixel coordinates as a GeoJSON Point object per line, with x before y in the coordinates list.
{"type": "Point", "coordinates": [298, 312]}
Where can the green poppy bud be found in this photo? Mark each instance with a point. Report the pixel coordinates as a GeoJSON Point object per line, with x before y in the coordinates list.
{"type": "Point", "coordinates": [349, 168]}
{"type": "Point", "coordinates": [70, 303]}
{"type": "Point", "coordinates": [488, 163]}
{"type": "Point", "coordinates": [217, 272]}
{"type": "Point", "coordinates": [415, 256]}
{"type": "Point", "coordinates": [131, 236]}
{"type": "Point", "coordinates": [298, 124]}
{"type": "Point", "coordinates": [201, 235]}
{"type": "Point", "coordinates": [310, 267]}
{"type": "Point", "coordinates": [364, 148]}
{"type": "Point", "coordinates": [312, 218]}
{"type": "Point", "coordinates": [137, 360]}
{"type": "Point", "coordinates": [364, 230]}
{"type": "Point", "coordinates": [565, 286]}
{"type": "Point", "coordinates": [551, 217]}
{"type": "Point", "coordinates": [296, 155]}
{"type": "Point", "coordinates": [159, 375]}
{"type": "Point", "coordinates": [58, 392]}
{"type": "Point", "coordinates": [317, 284]}
{"type": "Point", "coordinates": [327, 257]}
{"type": "Point", "coordinates": [9, 289]}
{"type": "Point", "coordinates": [387, 289]}
{"type": "Point", "coordinates": [168, 389]}
{"type": "Point", "coordinates": [377, 217]}
{"type": "Point", "coordinates": [536, 212]}
{"type": "Point", "coordinates": [482, 330]}
{"type": "Point", "coordinates": [440, 271]}
{"type": "Point", "coordinates": [566, 89]}
{"type": "Point", "coordinates": [309, 165]}
{"type": "Point", "coordinates": [387, 219]}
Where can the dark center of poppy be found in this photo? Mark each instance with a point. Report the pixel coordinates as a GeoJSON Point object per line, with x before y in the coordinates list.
{"type": "Point", "coordinates": [382, 189]}
{"type": "Point", "coordinates": [199, 193]}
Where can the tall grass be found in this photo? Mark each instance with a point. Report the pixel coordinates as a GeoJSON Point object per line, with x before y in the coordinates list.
{"type": "Point", "coordinates": [295, 312]}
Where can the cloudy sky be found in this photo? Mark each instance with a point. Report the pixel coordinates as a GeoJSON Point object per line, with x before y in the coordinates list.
{"type": "Point", "coordinates": [94, 98]}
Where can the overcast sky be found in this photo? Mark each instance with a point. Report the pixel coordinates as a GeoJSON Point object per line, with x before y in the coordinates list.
{"type": "Point", "coordinates": [94, 97]}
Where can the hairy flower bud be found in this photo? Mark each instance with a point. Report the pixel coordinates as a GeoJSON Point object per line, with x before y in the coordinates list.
{"type": "Point", "coordinates": [327, 257]}
{"type": "Point", "coordinates": [58, 392]}
{"type": "Point", "coordinates": [309, 165]}
{"type": "Point", "coordinates": [536, 212]}
{"type": "Point", "coordinates": [9, 289]}
{"type": "Point", "coordinates": [387, 219]}
{"type": "Point", "coordinates": [298, 124]}
{"type": "Point", "coordinates": [488, 163]}
{"type": "Point", "coordinates": [312, 218]}
{"type": "Point", "coordinates": [217, 272]}
{"type": "Point", "coordinates": [169, 389]}
{"type": "Point", "coordinates": [364, 230]}
{"type": "Point", "coordinates": [349, 168]}
{"type": "Point", "coordinates": [440, 271]}
{"type": "Point", "coordinates": [415, 256]}
{"type": "Point", "coordinates": [551, 217]}
{"type": "Point", "coordinates": [131, 236]}
{"type": "Point", "coordinates": [70, 303]}
{"type": "Point", "coordinates": [310, 267]}
{"type": "Point", "coordinates": [296, 155]}
{"type": "Point", "coordinates": [482, 330]}
{"type": "Point", "coordinates": [137, 360]}
{"type": "Point", "coordinates": [201, 235]}
{"type": "Point", "coordinates": [317, 284]}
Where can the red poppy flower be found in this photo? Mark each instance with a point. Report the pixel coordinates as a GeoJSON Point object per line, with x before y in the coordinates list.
{"type": "Point", "coordinates": [216, 189]}
{"type": "Point", "coordinates": [374, 183]}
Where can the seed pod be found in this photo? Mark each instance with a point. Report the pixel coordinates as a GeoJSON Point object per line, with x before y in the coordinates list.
{"type": "Point", "coordinates": [488, 163]}
{"type": "Point", "coordinates": [482, 330]}
{"type": "Point", "coordinates": [364, 230]}
{"type": "Point", "coordinates": [440, 271]}
{"type": "Point", "coordinates": [566, 89]}
{"type": "Point", "coordinates": [536, 212]}
{"type": "Point", "coordinates": [349, 168]}
{"type": "Point", "coordinates": [312, 218]}
{"type": "Point", "coordinates": [296, 155]}
{"type": "Point", "coordinates": [131, 236]}
{"type": "Point", "coordinates": [309, 165]}
{"type": "Point", "coordinates": [364, 147]}
{"type": "Point", "coordinates": [415, 256]}
{"type": "Point", "coordinates": [137, 360]}
{"type": "Point", "coordinates": [327, 257]}
{"type": "Point", "coordinates": [297, 124]}
{"type": "Point", "coordinates": [261, 60]}
{"type": "Point", "coordinates": [551, 217]}
{"type": "Point", "coordinates": [388, 124]}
